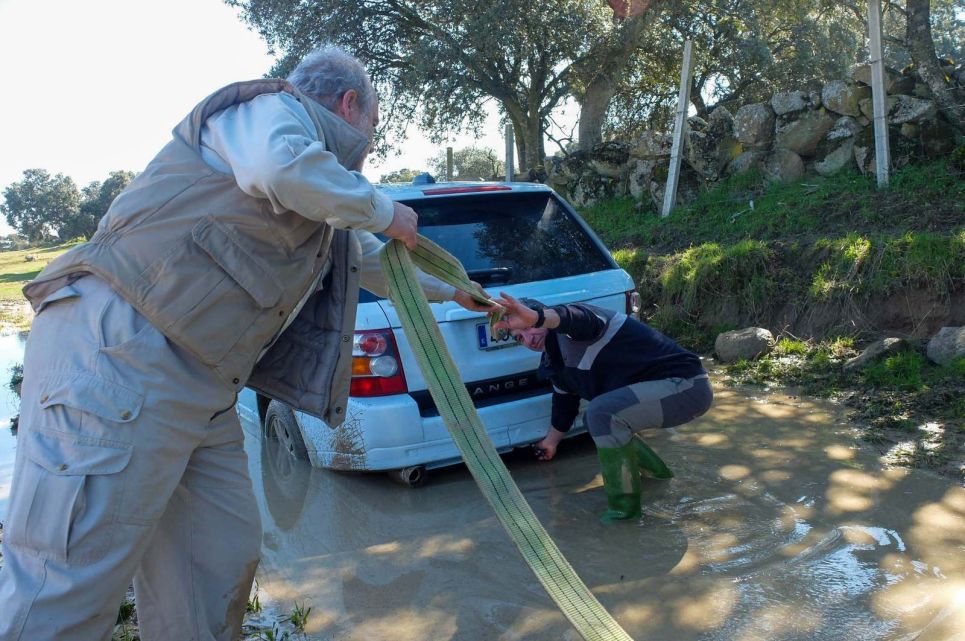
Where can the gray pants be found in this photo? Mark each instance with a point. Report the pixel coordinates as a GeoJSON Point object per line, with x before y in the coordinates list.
{"type": "Point", "coordinates": [612, 418]}
{"type": "Point", "coordinates": [129, 464]}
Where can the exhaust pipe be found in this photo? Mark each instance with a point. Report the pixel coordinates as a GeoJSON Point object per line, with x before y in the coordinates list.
{"type": "Point", "coordinates": [411, 476]}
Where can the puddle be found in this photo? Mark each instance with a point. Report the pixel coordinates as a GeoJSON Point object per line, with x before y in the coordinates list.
{"type": "Point", "coordinates": [775, 527]}
{"type": "Point", "coordinates": [11, 353]}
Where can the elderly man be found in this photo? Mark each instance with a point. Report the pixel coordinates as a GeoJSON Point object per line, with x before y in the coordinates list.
{"type": "Point", "coordinates": [634, 377]}
{"type": "Point", "coordinates": [235, 257]}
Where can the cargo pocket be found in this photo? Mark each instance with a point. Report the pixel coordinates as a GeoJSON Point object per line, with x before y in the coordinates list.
{"type": "Point", "coordinates": [215, 288]}
{"type": "Point", "coordinates": [74, 445]}
{"type": "Point", "coordinates": [57, 505]}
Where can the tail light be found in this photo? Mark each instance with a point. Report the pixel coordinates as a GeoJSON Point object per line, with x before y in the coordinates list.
{"type": "Point", "coordinates": [376, 366]}
{"type": "Point", "coordinates": [633, 303]}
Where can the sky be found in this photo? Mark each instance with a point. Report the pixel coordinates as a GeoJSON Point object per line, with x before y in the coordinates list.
{"type": "Point", "coordinates": [94, 86]}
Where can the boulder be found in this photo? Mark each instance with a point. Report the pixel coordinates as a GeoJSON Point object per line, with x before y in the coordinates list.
{"type": "Point", "coordinates": [910, 130]}
{"type": "Point", "coordinates": [840, 158]}
{"type": "Point", "coordinates": [638, 179]}
{"type": "Point", "coordinates": [700, 152]}
{"type": "Point", "coordinates": [721, 122]}
{"type": "Point", "coordinates": [559, 171]}
{"type": "Point", "coordinates": [937, 138]}
{"type": "Point", "coordinates": [709, 145]}
{"type": "Point", "coordinates": [727, 151]}
{"type": "Point", "coordinates": [862, 75]}
{"type": "Point", "coordinates": [875, 351]}
{"type": "Point", "coordinates": [803, 134]}
{"type": "Point", "coordinates": [785, 102]}
{"type": "Point", "coordinates": [903, 85]}
{"type": "Point", "coordinates": [844, 127]}
{"type": "Point", "coordinates": [844, 97]}
{"type": "Point", "coordinates": [783, 166]}
{"type": "Point", "coordinates": [591, 187]}
{"type": "Point", "coordinates": [747, 343]}
{"type": "Point", "coordinates": [745, 161]}
{"type": "Point", "coordinates": [864, 157]}
{"type": "Point", "coordinates": [688, 184]}
{"type": "Point", "coordinates": [902, 109]}
{"type": "Point", "coordinates": [754, 125]}
{"type": "Point", "coordinates": [947, 345]}
{"type": "Point", "coordinates": [610, 159]}
{"type": "Point", "coordinates": [652, 145]}
{"type": "Point", "coordinates": [696, 123]}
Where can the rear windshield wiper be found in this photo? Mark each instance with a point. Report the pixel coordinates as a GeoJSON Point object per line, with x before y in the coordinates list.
{"type": "Point", "coordinates": [491, 275]}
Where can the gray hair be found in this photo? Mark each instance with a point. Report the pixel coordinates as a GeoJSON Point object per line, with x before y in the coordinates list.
{"type": "Point", "coordinates": [328, 72]}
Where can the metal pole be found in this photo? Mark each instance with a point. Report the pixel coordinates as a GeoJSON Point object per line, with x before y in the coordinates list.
{"type": "Point", "coordinates": [878, 94]}
{"type": "Point", "coordinates": [679, 127]}
{"type": "Point", "coordinates": [448, 163]}
{"type": "Point", "coordinates": [510, 148]}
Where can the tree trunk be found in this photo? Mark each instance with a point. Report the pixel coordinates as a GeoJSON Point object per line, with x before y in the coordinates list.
{"type": "Point", "coordinates": [922, 48]}
{"type": "Point", "coordinates": [593, 109]}
{"type": "Point", "coordinates": [521, 138]}
{"type": "Point", "coordinates": [610, 63]}
{"type": "Point", "coordinates": [535, 149]}
{"type": "Point", "coordinates": [696, 97]}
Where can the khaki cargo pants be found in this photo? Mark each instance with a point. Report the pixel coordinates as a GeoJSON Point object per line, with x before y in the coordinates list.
{"type": "Point", "coordinates": [129, 464]}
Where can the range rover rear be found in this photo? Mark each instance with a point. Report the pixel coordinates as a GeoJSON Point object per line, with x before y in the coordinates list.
{"type": "Point", "coordinates": [520, 238]}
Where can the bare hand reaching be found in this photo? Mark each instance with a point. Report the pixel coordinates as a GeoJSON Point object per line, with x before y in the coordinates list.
{"type": "Point", "coordinates": [471, 303]}
{"type": "Point", "coordinates": [518, 315]}
{"type": "Point", "coordinates": [404, 226]}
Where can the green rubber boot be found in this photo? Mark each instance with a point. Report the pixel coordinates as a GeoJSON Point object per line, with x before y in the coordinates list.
{"type": "Point", "coordinates": [648, 460]}
{"type": "Point", "coordinates": [621, 481]}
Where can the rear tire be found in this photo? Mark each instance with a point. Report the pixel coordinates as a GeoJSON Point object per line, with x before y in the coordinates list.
{"type": "Point", "coordinates": [280, 424]}
{"type": "Point", "coordinates": [284, 477]}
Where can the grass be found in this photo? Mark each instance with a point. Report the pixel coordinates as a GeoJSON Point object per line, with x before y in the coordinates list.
{"type": "Point", "coordinates": [17, 268]}
{"type": "Point", "coordinates": [693, 293]}
{"type": "Point", "coordinates": [299, 616]}
{"type": "Point", "coordinates": [878, 264]}
{"type": "Point", "coordinates": [744, 206]}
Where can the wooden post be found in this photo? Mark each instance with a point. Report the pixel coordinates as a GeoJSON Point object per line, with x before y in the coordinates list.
{"type": "Point", "coordinates": [879, 98]}
{"type": "Point", "coordinates": [448, 163]}
{"type": "Point", "coordinates": [510, 148]}
{"type": "Point", "coordinates": [679, 127]}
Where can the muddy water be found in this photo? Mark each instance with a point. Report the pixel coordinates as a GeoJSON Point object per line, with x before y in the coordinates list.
{"type": "Point", "coordinates": [11, 353]}
{"type": "Point", "coordinates": [775, 528]}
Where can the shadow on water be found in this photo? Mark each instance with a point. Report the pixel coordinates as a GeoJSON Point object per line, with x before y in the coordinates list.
{"type": "Point", "coordinates": [776, 526]}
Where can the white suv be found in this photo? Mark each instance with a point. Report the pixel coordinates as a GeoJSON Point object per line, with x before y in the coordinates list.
{"type": "Point", "coordinates": [516, 237]}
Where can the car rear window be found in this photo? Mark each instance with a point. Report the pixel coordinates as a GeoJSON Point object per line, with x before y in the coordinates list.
{"type": "Point", "coordinates": [512, 238]}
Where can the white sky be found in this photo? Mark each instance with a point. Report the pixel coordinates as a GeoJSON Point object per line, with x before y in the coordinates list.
{"type": "Point", "coordinates": [93, 86]}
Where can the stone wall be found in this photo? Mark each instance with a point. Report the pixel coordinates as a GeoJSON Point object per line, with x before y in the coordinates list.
{"type": "Point", "coordinates": [794, 134]}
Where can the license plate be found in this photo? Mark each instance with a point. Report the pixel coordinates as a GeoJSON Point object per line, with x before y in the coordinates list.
{"type": "Point", "coordinates": [485, 342]}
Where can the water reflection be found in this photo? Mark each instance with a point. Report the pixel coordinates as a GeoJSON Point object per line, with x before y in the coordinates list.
{"type": "Point", "coordinates": [11, 353]}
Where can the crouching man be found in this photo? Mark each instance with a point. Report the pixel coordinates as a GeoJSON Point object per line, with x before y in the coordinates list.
{"type": "Point", "coordinates": [633, 376]}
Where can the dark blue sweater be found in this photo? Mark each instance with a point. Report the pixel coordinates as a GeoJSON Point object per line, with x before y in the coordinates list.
{"type": "Point", "coordinates": [595, 351]}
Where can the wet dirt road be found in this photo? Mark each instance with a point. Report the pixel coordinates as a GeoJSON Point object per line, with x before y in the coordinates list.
{"type": "Point", "coordinates": [774, 528]}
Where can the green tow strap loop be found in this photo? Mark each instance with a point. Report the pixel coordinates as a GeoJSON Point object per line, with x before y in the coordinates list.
{"type": "Point", "coordinates": [448, 391]}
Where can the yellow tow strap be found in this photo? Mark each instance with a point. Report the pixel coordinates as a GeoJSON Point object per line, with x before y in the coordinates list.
{"type": "Point", "coordinates": [455, 406]}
